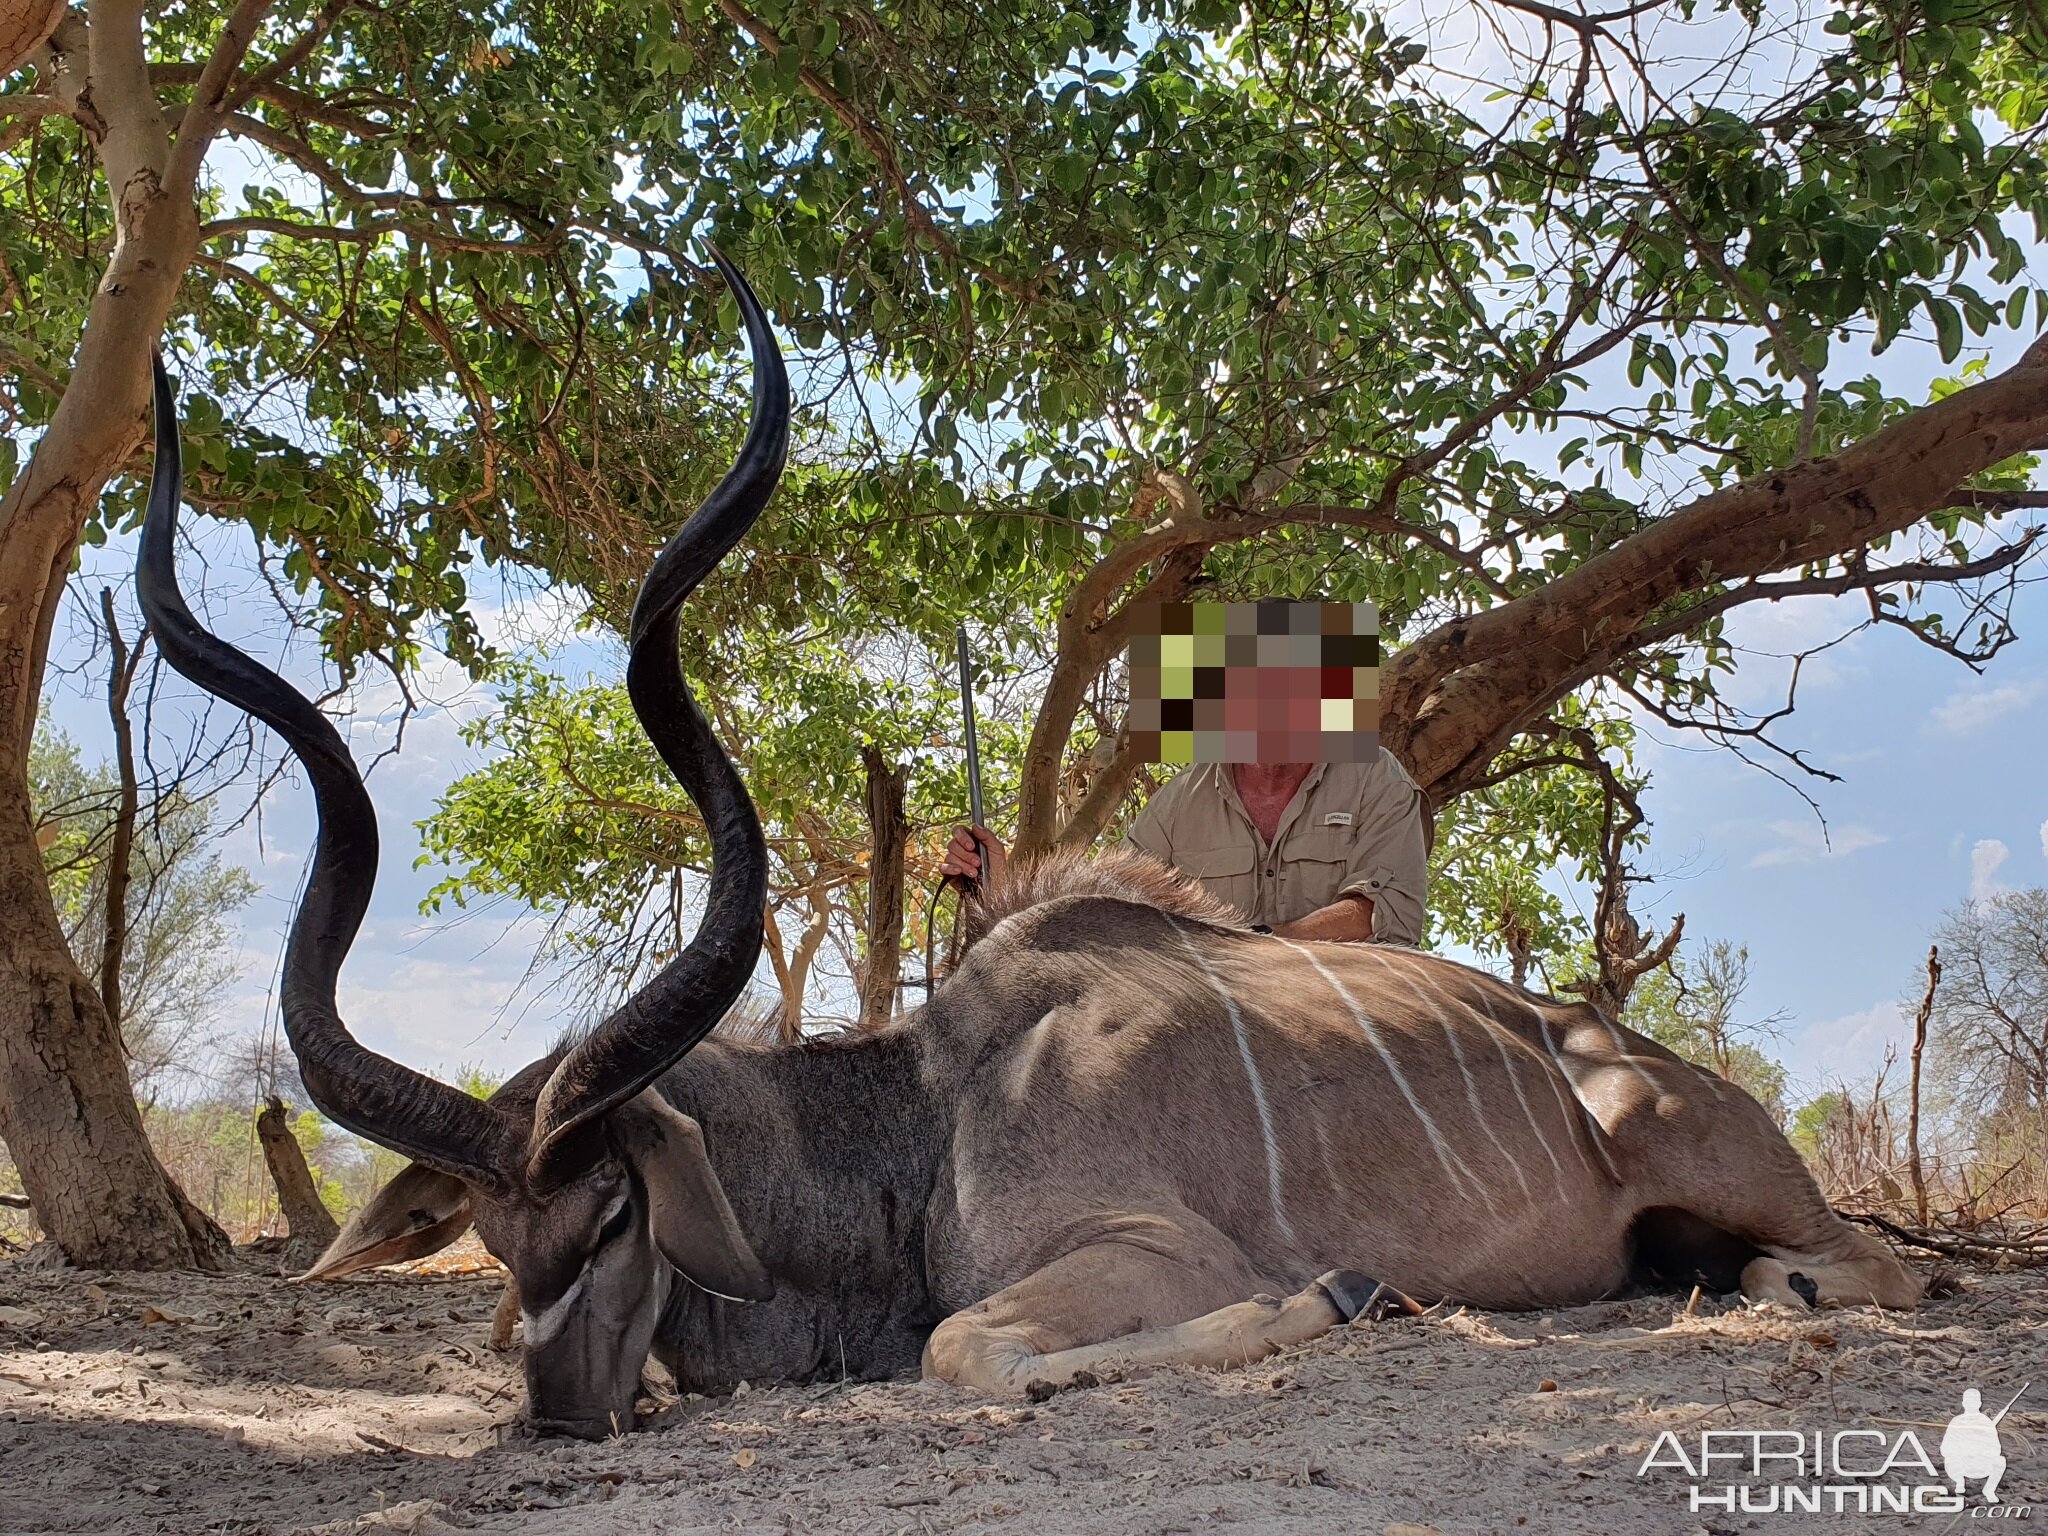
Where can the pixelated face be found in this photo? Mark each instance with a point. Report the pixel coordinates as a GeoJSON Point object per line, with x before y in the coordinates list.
{"type": "Point", "coordinates": [1269, 682]}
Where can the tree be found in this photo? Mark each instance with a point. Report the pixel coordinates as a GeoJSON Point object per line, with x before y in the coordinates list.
{"type": "Point", "coordinates": [179, 949]}
{"type": "Point", "coordinates": [575, 815]}
{"type": "Point", "coordinates": [1101, 305]}
{"type": "Point", "coordinates": [310, 1224]}
{"type": "Point", "coordinates": [884, 803]}
{"type": "Point", "coordinates": [1988, 1028]}
{"type": "Point", "coordinates": [1568, 793]}
{"type": "Point", "coordinates": [1694, 1007]}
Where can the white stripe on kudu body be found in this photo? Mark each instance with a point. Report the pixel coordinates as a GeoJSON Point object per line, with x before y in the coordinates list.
{"type": "Point", "coordinates": [1251, 1072]}
{"type": "Point", "coordinates": [1453, 1164]}
{"type": "Point", "coordinates": [1420, 978]}
{"type": "Point", "coordinates": [1479, 1110]}
{"type": "Point", "coordinates": [1621, 1050]}
{"type": "Point", "coordinates": [1550, 1045]}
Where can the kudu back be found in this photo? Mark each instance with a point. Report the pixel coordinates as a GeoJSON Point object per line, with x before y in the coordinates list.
{"type": "Point", "coordinates": [1126, 1130]}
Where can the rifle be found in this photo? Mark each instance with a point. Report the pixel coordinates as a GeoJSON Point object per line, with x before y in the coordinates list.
{"type": "Point", "coordinates": [974, 805]}
{"type": "Point", "coordinates": [974, 812]}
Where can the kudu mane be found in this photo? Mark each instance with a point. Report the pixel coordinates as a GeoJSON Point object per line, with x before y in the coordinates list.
{"type": "Point", "coordinates": [1119, 874]}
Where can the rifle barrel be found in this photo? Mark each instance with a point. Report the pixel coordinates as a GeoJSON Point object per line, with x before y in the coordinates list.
{"type": "Point", "coordinates": [973, 747]}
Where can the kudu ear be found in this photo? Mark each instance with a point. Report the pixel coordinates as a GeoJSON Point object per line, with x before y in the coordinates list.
{"type": "Point", "coordinates": [693, 1226]}
{"type": "Point", "coordinates": [419, 1212]}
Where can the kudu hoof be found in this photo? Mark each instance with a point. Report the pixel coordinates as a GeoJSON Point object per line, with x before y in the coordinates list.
{"type": "Point", "coordinates": [1355, 1296]}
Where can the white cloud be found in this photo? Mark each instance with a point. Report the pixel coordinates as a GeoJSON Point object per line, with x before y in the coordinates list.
{"type": "Point", "coordinates": [1971, 710]}
{"type": "Point", "coordinates": [2044, 839]}
{"type": "Point", "coordinates": [1775, 632]}
{"type": "Point", "coordinates": [1804, 842]}
{"type": "Point", "coordinates": [1986, 859]}
{"type": "Point", "coordinates": [1849, 1048]}
{"type": "Point", "coordinates": [545, 618]}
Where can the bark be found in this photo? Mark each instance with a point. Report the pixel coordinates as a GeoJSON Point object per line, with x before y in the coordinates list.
{"type": "Point", "coordinates": [1092, 629]}
{"type": "Point", "coordinates": [888, 836]}
{"type": "Point", "coordinates": [506, 1315]}
{"type": "Point", "coordinates": [67, 1109]}
{"type": "Point", "coordinates": [793, 970]}
{"type": "Point", "coordinates": [310, 1224]}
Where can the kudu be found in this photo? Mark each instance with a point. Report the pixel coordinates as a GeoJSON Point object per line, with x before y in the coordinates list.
{"type": "Point", "coordinates": [1125, 1131]}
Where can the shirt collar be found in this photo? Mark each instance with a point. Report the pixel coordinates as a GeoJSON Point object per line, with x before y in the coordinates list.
{"type": "Point", "coordinates": [1224, 780]}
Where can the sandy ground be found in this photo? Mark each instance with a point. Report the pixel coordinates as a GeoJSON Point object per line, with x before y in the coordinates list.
{"type": "Point", "coordinates": [242, 1405]}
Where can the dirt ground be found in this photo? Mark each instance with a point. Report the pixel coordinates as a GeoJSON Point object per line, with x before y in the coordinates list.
{"type": "Point", "coordinates": [244, 1405]}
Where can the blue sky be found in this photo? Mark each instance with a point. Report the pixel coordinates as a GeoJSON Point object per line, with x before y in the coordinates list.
{"type": "Point", "coordinates": [1941, 798]}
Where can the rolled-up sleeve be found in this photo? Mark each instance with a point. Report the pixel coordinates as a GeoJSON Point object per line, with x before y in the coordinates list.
{"type": "Point", "coordinates": [1390, 859]}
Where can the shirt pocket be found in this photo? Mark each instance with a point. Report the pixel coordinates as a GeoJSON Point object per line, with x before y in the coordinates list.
{"type": "Point", "coordinates": [1225, 873]}
{"type": "Point", "coordinates": [1314, 867]}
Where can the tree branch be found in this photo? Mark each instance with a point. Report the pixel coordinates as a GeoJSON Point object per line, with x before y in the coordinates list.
{"type": "Point", "coordinates": [871, 138]}
{"type": "Point", "coordinates": [293, 54]}
{"type": "Point", "coordinates": [119, 111]}
{"type": "Point", "coordinates": [373, 230]}
{"type": "Point", "coordinates": [31, 106]}
{"type": "Point", "coordinates": [1853, 580]}
{"type": "Point", "coordinates": [1802, 514]}
{"type": "Point", "coordinates": [212, 97]}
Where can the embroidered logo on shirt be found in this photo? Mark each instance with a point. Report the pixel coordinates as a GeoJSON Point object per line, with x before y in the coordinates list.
{"type": "Point", "coordinates": [1337, 819]}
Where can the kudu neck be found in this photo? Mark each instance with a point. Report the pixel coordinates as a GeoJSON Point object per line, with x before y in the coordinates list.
{"type": "Point", "coordinates": [828, 1153]}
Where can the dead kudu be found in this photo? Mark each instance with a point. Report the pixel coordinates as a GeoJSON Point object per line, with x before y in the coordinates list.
{"type": "Point", "coordinates": [1118, 1132]}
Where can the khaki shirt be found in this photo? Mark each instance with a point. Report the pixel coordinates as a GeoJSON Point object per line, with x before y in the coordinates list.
{"type": "Point", "coordinates": [1350, 827]}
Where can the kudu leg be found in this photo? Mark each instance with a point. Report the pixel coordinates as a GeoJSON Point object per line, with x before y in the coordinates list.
{"type": "Point", "coordinates": [1103, 1309]}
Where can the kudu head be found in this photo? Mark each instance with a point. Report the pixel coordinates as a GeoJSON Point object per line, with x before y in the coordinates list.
{"type": "Point", "coordinates": [577, 1174]}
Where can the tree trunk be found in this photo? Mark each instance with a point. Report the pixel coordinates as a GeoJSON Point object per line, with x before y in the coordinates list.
{"type": "Point", "coordinates": [67, 1109]}
{"type": "Point", "coordinates": [888, 833]}
{"type": "Point", "coordinates": [310, 1224]}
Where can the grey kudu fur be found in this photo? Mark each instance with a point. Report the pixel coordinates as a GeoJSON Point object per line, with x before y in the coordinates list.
{"type": "Point", "coordinates": [1125, 1131]}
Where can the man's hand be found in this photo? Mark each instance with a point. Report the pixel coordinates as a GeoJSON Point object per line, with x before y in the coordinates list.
{"type": "Point", "coordinates": [1348, 919]}
{"type": "Point", "coordinates": [964, 854]}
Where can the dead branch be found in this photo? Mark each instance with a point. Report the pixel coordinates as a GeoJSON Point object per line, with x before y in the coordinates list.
{"type": "Point", "coordinates": [311, 1225]}
{"type": "Point", "coordinates": [1993, 1249]}
{"type": "Point", "coordinates": [1920, 1045]}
